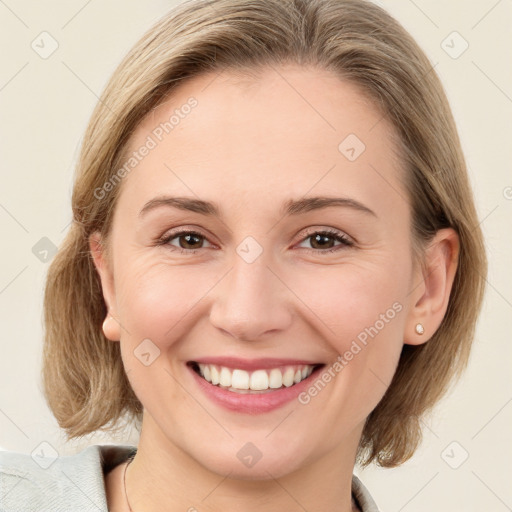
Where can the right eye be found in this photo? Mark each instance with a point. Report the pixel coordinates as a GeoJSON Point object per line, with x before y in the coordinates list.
{"type": "Point", "coordinates": [186, 239]}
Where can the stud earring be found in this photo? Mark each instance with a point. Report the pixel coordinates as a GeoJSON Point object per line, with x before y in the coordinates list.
{"type": "Point", "coordinates": [419, 329]}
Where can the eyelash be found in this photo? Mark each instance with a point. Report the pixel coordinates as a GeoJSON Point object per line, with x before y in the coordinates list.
{"type": "Point", "coordinates": [337, 235]}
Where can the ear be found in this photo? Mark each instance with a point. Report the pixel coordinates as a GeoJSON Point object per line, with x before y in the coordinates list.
{"type": "Point", "coordinates": [431, 296]}
{"type": "Point", "coordinates": [111, 327]}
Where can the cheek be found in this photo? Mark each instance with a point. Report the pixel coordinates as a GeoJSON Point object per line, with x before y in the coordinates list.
{"type": "Point", "coordinates": [159, 305]}
{"type": "Point", "coordinates": [356, 302]}
{"type": "Point", "coordinates": [160, 301]}
{"type": "Point", "coordinates": [361, 313]}
{"type": "Point", "coordinates": [360, 309]}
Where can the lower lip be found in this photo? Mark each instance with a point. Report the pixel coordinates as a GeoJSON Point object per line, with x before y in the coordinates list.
{"type": "Point", "coordinates": [252, 403]}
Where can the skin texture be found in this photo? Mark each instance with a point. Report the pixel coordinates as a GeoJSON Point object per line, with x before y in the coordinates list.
{"type": "Point", "coordinates": [249, 146]}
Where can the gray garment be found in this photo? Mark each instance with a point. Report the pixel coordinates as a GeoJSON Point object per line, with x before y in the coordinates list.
{"type": "Point", "coordinates": [75, 483]}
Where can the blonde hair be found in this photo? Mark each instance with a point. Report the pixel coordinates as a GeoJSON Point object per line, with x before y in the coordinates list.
{"type": "Point", "coordinates": [83, 376]}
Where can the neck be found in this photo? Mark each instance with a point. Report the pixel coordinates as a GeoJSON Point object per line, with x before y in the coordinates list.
{"type": "Point", "coordinates": [164, 477]}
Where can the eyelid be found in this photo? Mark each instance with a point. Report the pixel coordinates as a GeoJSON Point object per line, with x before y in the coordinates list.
{"type": "Point", "coordinates": [187, 228]}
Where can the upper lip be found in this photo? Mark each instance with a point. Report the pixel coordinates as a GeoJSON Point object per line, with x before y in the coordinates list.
{"type": "Point", "coordinates": [254, 364]}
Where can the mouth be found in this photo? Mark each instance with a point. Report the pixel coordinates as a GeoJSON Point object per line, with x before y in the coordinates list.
{"type": "Point", "coordinates": [256, 380]}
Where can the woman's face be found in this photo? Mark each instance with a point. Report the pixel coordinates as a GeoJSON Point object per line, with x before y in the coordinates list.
{"type": "Point", "coordinates": [258, 288]}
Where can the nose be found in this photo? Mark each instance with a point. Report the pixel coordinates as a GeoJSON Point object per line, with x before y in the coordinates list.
{"type": "Point", "coordinates": [251, 302]}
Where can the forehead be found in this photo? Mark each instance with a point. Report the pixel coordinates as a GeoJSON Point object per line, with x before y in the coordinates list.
{"type": "Point", "coordinates": [279, 131]}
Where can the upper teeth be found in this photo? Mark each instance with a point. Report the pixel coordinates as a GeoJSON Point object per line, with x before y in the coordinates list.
{"type": "Point", "coordinates": [256, 380]}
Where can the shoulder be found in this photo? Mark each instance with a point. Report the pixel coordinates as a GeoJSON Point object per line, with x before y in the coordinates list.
{"type": "Point", "coordinates": [363, 496]}
{"type": "Point", "coordinates": [39, 482]}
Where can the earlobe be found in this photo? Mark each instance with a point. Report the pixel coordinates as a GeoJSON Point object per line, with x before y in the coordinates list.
{"type": "Point", "coordinates": [436, 276]}
{"type": "Point", "coordinates": [111, 327]}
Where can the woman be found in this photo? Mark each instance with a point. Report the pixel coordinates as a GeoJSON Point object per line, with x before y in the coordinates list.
{"type": "Point", "coordinates": [273, 268]}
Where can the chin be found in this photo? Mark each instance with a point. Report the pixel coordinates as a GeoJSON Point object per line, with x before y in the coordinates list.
{"type": "Point", "coordinates": [252, 461]}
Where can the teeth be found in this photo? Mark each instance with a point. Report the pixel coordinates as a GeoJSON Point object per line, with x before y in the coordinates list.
{"type": "Point", "coordinates": [240, 379]}
{"type": "Point", "coordinates": [258, 380]}
{"type": "Point", "coordinates": [225, 377]}
{"type": "Point", "coordinates": [288, 377]}
{"type": "Point", "coordinates": [275, 379]}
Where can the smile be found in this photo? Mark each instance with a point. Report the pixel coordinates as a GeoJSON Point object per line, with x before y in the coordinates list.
{"type": "Point", "coordinates": [257, 381]}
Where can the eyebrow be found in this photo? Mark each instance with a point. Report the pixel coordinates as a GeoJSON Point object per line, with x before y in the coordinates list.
{"type": "Point", "coordinates": [290, 207]}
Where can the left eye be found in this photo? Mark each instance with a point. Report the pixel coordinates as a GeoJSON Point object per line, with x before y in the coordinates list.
{"type": "Point", "coordinates": [321, 239]}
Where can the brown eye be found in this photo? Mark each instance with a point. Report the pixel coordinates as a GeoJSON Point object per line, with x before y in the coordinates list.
{"type": "Point", "coordinates": [324, 241]}
{"type": "Point", "coordinates": [187, 240]}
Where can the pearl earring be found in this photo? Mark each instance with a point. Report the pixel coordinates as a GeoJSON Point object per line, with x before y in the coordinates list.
{"type": "Point", "coordinates": [419, 329]}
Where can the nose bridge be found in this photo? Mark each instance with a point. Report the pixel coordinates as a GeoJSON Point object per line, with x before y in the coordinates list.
{"type": "Point", "coordinates": [251, 299]}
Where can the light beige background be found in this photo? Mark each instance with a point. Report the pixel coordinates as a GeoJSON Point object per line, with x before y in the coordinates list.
{"type": "Point", "coordinates": [45, 105]}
